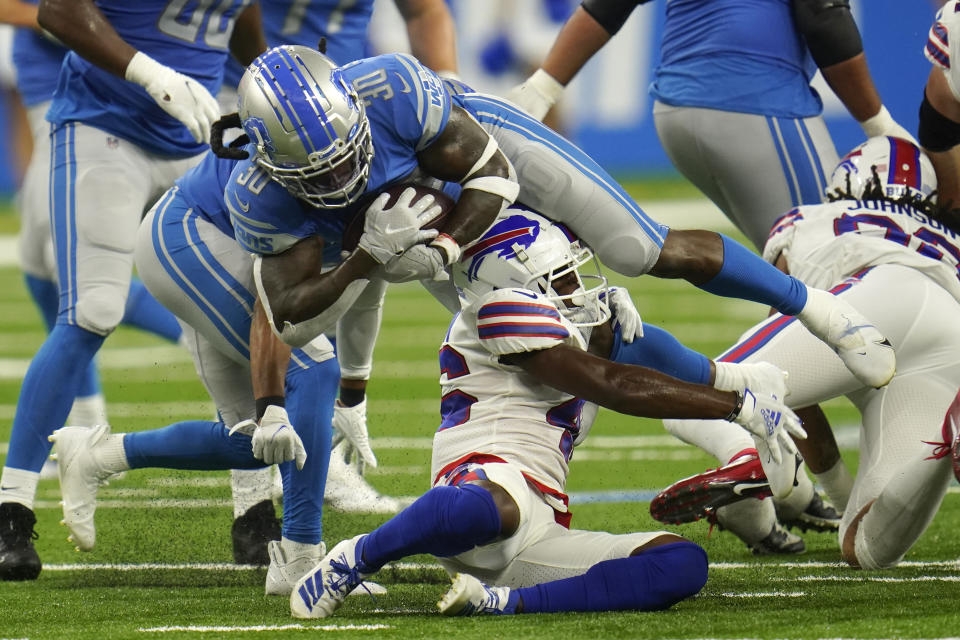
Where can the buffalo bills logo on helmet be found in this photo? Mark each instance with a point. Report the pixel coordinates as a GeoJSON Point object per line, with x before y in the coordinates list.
{"type": "Point", "coordinates": [502, 238]}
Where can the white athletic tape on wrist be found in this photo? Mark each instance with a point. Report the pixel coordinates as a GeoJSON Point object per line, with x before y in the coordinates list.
{"type": "Point", "coordinates": [491, 148]}
{"type": "Point", "coordinates": [450, 247]}
{"type": "Point", "coordinates": [546, 85]}
{"type": "Point", "coordinates": [504, 187]}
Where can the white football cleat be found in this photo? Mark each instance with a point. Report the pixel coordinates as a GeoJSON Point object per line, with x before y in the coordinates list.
{"type": "Point", "coordinates": [470, 597]}
{"type": "Point", "coordinates": [285, 572]}
{"type": "Point", "coordinates": [321, 591]}
{"type": "Point", "coordinates": [80, 478]}
{"type": "Point", "coordinates": [864, 350]}
{"type": "Point", "coordinates": [348, 491]}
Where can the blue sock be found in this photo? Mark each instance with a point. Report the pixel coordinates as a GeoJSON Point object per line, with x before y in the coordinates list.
{"type": "Point", "coordinates": [144, 312]}
{"type": "Point", "coordinates": [746, 275]}
{"type": "Point", "coordinates": [46, 395]}
{"type": "Point", "coordinates": [45, 296]}
{"type": "Point", "coordinates": [310, 394]}
{"type": "Point", "coordinates": [195, 444]}
{"type": "Point", "coordinates": [443, 522]}
{"type": "Point", "coordinates": [653, 580]}
{"type": "Point", "coordinates": [659, 350]}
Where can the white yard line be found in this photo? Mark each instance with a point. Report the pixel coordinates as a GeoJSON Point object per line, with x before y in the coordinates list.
{"type": "Point", "coordinates": [262, 627]}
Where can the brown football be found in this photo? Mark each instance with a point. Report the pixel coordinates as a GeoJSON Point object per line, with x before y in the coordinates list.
{"type": "Point", "coordinates": [354, 228]}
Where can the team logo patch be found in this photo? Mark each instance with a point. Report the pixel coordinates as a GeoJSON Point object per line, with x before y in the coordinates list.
{"type": "Point", "coordinates": [517, 230]}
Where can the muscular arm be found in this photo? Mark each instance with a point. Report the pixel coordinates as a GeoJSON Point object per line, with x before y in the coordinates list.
{"type": "Point", "coordinates": [296, 290]}
{"type": "Point", "coordinates": [81, 26]}
{"type": "Point", "coordinates": [946, 162]}
{"type": "Point", "coordinates": [627, 389]}
{"type": "Point", "coordinates": [431, 32]}
{"type": "Point", "coordinates": [269, 357]}
{"type": "Point", "coordinates": [450, 157]}
{"type": "Point", "coordinates": [580, 38]}
{"type": "Point", "coordinates": [18, 14]}
{"type": "Point", "coordinates": [247, 41]}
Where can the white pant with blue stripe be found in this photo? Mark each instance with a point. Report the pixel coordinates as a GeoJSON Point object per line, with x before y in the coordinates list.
{"type": "Point", "coordinates": [206, 279]}
{"type": "Point", "coordinates": [753, 167]}
{"type": "Point", "coordinates": [100, 187]}
{"type": "Point", "coordinates": [563, 183]}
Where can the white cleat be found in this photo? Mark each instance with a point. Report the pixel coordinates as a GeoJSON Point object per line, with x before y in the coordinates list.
{"type": "Point", "coordinates": [348, 491]}
{"type": "Point", "coordinates": [321, 591]}
{"type": "Point", "coordinates": [470, 597]}
{"type": "Point", "coordinates": [864, 350]}
{"type": "Point", "coordinates": [80, 478]}
{"type": "Point", "coordinates": [285, 572]}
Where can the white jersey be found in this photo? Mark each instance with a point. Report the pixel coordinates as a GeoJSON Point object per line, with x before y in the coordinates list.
{"type": "Point", "coordinates": [943, 49]}
{"type": "Point", "coordinates": [496, 411]}
{"type": "Point", "coordinates": [828, 242]}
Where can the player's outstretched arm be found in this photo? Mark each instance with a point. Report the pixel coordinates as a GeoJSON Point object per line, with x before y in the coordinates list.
{"type": "Point", "coordinates": [18, 13]}
{"type": "Point", "coordinates": [834, 42]}
{"type": "Point", "coordinates": [247, 40]}
{"type": "Point", "coordinates": [939, 135]}
{"type": "Point", "coordinates": [432, 34]}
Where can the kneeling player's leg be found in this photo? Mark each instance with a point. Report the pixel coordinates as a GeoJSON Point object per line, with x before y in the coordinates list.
{"type": "Point", "coordinates": [144, 312]}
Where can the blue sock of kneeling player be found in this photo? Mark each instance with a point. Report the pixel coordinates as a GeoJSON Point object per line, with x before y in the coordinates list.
{"type": "Point", "coordinates": [194, 444]}
{"type": "Point", "coordinates": [144, 312]}
{"type": "Point", "coordinates": [650, 581]}
{"type": "Point", "coordinates": [746, 275]}
{"type": "Point", "coordinates": [443, 522]}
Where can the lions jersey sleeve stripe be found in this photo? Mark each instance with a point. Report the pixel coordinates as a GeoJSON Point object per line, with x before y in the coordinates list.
{"type": "Point", "coordinates": [430, 106]}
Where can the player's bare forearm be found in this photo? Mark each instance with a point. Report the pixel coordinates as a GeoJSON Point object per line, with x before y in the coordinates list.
{"type": "Point", "coordinates": [627, 389]}
{"type": "Point", "coordinates": [580, 38]}
{"type": "Point", "coordinates": [946, 161]}
{"type": "Point", "coordinates": [430, 28]}
{"type": "Point", "coordinates": [269, 356]}
{"type": "Point", "coordinates": [852, 83]}
{"type": "Point", "coordinates": [247, 40]}
{"type": "Point", "coordinates": [18, 14]}
{"type": "Point", "coordinates": [81, 26]}
{"type": "Point", "coordinates": [296, 289]}
{"type": "Point", "coordinates": [452, 157]}
{"type": "Point", "coordinates": [819, 449]}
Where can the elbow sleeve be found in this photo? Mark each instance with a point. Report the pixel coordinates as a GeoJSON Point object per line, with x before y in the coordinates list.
{"type": "Point", "coordinates": [829, 29]}
{"type": "Point", "coordinates": [610, 14]}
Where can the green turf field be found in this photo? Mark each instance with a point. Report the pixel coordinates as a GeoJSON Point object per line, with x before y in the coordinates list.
{"type": "Point", "coordinates": [161, 568]}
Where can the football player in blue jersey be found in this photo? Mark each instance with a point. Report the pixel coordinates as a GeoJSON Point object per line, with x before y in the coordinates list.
{"type": "Point", "coordinates": [343, 27]}
{"type": "Point", "coordinates": [37, 60]}
{"type": "Point", "coordinates": [734, 108]}
{"type": "Point", "coordinates": [387, 118]}
{"type": "Point", "coordinates": [130, 114]}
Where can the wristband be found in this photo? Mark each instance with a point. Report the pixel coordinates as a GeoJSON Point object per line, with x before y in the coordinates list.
{"type": "Point", "coordinates": [451, 248]}
{"type": "Point", "coordinates": [546, 85]}
{"type": "Point", "coordinates": [736, 409]}
{"type": "Point", "coordinates": [266, 401]}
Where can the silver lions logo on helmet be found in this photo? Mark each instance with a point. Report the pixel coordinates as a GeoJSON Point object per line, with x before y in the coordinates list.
{"type": "Point", "coordinates": [310, 129]}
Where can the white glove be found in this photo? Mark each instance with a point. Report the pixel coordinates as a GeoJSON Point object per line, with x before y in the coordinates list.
{"type": "Point", "coordinates": [351, 425]}
{"type": "Point", "coordinates": [389, 232]}
{"type": "Point", "coordinates": [767, 418]}
{"type": "Point", "coordinates": [537, 94]}
{"type": "Point", "coordinates": [761, 377]}
{"type": "Point", "coordinates": [883, 124]}
{"type": "Point", "coordinates": [181, 96]}
{"type": "Point", "coordinates": [274, 440]}
{"type": "Point", "coordinates": [625, 314]}
{"type": "Point", "coordinates": [419, 262]}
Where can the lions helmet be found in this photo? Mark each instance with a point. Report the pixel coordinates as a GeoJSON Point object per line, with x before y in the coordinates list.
{"type": "Point", "coordinates": [525, 250]}
{"type": "Point", "coordinates": [893, 166]}
{"type": "Point", "coordinates": [309, 127]}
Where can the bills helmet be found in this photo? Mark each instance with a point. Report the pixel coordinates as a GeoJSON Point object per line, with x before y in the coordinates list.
{"type": "Point", "coordinates": [525, 250]}
{"type": "Point", "coordinates": [886, 166]}
{"type": "Point", "coordinates": [308, 125]}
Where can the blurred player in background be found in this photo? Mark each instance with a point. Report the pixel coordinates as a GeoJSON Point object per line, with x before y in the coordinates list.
{"type": "Point", "coordinates": [343, 26]}
{"type": "Point", "coordinates": [517, 364]}
{"type": "Point", "coordinates": [886, 248]}
{"type": "Point", "coordinates": [131, 113]}
{"type": "Point", "coordinates": [37, 59]}
{"type": "Point", "coordinates": [939, 132]}
{"type": "Point", "coordinates": [734, 108]}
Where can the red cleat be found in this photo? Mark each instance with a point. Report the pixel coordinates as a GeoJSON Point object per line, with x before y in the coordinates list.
{"type": "Point", "coordinates": [696, 497]}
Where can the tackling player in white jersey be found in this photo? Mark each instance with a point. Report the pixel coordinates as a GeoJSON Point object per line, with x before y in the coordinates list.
{"type": "Point", "coordinates": [885, 248]}
{"type": "Point", "coordinates": [939, 131]}
{"type": "Point", "coordinates": [517, 364]}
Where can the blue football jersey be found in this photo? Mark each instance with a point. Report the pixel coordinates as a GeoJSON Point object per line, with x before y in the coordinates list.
{"type": "Point", "coordinates": [407, 107]}
{"type": "Point", "coordinates": [735, 55]}
{"type": "Point", "coordinates": [342, 22]}
{"type": "Point", "coordinates": [37, 60]}
{"type": "Point", "coordinates": [191, 36]}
